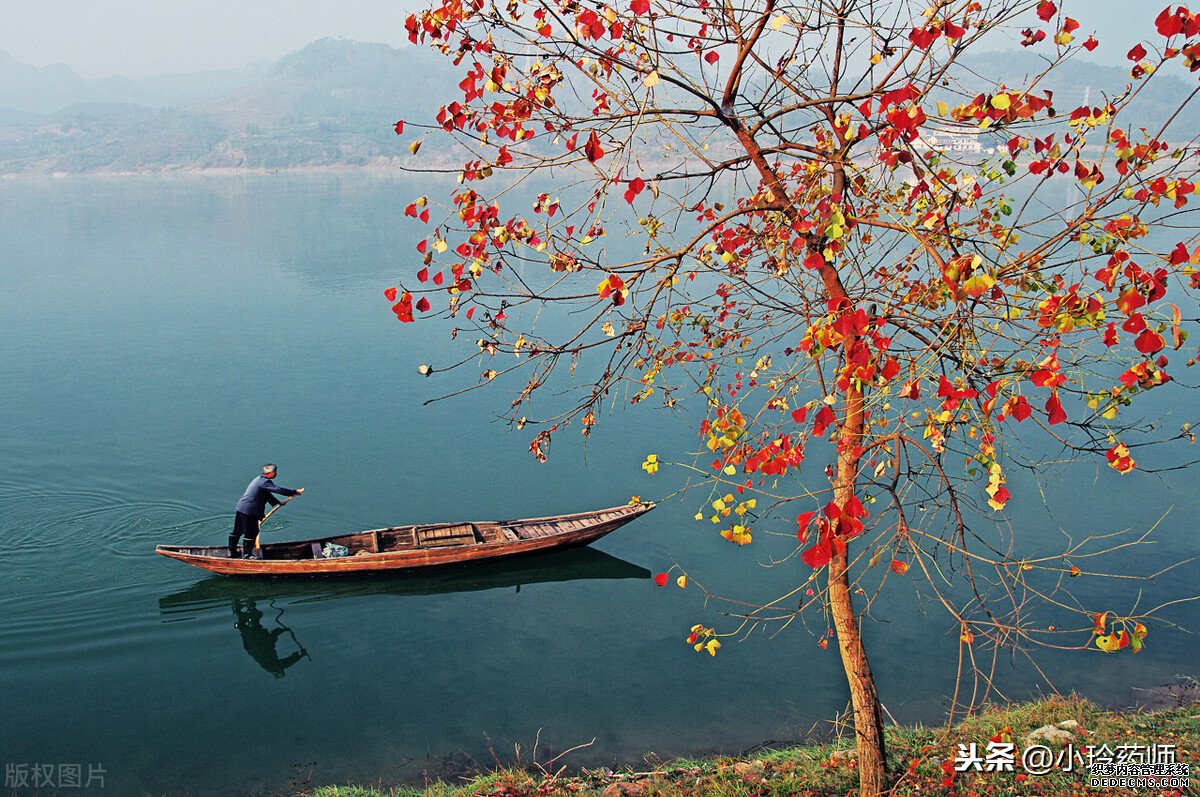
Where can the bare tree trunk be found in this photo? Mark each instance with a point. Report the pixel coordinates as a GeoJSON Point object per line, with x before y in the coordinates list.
{"type": "Point", "coordinates": [868, 713]}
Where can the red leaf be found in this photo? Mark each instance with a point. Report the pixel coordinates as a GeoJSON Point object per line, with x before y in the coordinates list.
{"type": "Point", "coordinates": [1091, 44]}
{"type": "Point", "coordinates": [438, 279]}
{"type": "Point", "coordinates": [592, 148]}
{"type": "Point", "coordinates": [661, 579]}
{"type": "Point", "coordinates": [1032, 37]}
{"type": "Point", "coordinates": [899, 567]}
{"type": "Point", "coordinates": [802, 521]}
{"type": "Point", "coordinates": [1149, 342]}
{"type": "Point", "coordinates": [1135, 323]}
{"type": "Point", "coordinates": [399, 127]}
{"type": "Point", "coordinates": [1137, 53]}
{"type": "Point", "coordinates": [822, 421]}
{"type": "Point", "coordinates": [423, 275]}
{"type": "Point", "coordinates": [854, 508]}
{"type": "Point", "coordinates": [1021, 410]}
{"type": "Point", "coordinates": [817, 556]}
{"type": "Point", "coordinates": [922, 38]}
{"type": "Point", "coordinates": [1045, 10]}
{"type": "Point", "coordinates": [403, 308]}
{"type": "Point", "coordinates": [712, 57]}
{"type": "Point", "coordinates": [890, 369]}
{"type": "Point", "coordinates": [1054, 409]}
{"type": "Point", "coordinates": [423, 245]}
{"type": "Point", "coordinates": [636, 186]}
{"type": "Point", "coordinates": [470, 313]}
{"type": "Point", "coordinates": [640, 7]}
{"type": "Point", "coordinates": [1110, 335]}
{"type": "Point", "coordinates": [389, 294]}
{"type": "Point", "coordinates": [814, 260]}
{"type": "Point", "coordinates": [799, 415]}
{"type": "Point", "coordinates": [1169, 24]}
{"type": "Point", "coordinates": [423, 304]}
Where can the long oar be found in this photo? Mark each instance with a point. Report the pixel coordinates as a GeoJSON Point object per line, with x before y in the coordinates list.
{"type": "Point", "coordinates": [258, 537]}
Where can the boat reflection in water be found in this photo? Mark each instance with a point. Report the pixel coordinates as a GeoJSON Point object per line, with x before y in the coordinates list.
{"type": "Point", "coordinates": [244, 594]}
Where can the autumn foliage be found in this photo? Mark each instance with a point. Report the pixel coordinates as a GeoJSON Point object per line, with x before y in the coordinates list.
{"type": "Point", "coordinates": [849, 247]}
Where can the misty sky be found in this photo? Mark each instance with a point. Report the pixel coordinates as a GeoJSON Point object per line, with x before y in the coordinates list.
{"type": "Point", "coordinates": [138, 38]}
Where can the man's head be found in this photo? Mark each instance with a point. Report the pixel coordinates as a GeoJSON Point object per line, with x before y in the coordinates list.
{"type": "Point", "coordinates": [269, 470]}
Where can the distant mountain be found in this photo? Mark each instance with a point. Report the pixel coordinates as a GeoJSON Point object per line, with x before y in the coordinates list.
{"type": "Point", "coordinates": [48, 89]}
{"type": "Point", "coordinates": [1076, 82]}
{"type": "Point", "coordinates": [332, 103]}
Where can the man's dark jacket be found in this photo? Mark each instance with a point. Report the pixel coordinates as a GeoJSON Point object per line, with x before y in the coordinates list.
{"type": "Point", "coordinates": [258, 494]}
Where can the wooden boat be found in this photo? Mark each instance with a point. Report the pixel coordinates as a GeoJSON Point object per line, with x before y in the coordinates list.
{"type": "Point", "coordinates": [415, 547]}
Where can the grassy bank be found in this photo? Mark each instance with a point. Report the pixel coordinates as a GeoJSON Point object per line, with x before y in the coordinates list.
{"type": "Point", "coordinates": [922, 758]}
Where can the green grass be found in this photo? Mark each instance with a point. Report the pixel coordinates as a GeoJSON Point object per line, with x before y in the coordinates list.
{"type": "Point", "coordinates": [917, 757]}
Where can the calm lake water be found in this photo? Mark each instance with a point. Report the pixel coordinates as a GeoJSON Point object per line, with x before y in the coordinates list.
{"type": "Point", "coordinates": [160, 338]}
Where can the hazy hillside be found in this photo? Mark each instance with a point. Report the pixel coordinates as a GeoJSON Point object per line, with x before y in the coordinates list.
{"type": "Point", "coordinates": [49, 89]}
{"type": "Point", "coordinates": [331, 103]}
{"type": "Point", "coordinates": [1078, 81]}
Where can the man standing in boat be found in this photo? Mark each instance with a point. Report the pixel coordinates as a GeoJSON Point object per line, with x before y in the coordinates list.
{"type": "Point", "coordinates": [252, 507]}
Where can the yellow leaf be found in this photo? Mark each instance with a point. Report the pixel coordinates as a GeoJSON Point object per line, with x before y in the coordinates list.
{"type": "Point", "coordinates": [413, 147]}
{"type": "Point", "coordinates": [712, 646]}
{"type": "Point", "coordinates": [651, 79]}
{"type": "Point", "coordinates": [681, 581]}
{"type": "Point", "coordinates": [1109, 643]}
{"type": "Point", "coordinates": [942, 109]}
{"type": "Point", "coordinates": [1001, 102]}
{"type": "Point", "coordinates": [779, 21]}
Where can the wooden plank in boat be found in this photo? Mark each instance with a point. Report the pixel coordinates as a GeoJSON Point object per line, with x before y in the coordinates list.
{"type": "Point", "coordinates": [462, 534]}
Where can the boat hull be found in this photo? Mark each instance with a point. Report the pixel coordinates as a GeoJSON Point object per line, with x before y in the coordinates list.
{"type": "Point", "coordinates": [574, 531]}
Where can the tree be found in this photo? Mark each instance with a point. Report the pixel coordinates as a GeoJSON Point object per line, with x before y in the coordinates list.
{"type": "Point", "coordinates": [919, 267]}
